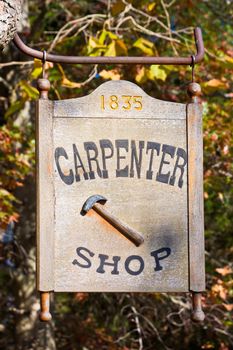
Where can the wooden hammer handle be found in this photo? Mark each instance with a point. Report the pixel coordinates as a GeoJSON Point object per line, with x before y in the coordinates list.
{"type": "Point", "coordinates": [127, 231]}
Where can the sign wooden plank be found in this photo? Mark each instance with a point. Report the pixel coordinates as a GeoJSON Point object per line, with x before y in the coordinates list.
{"type": "Point", "coordinates": [156, 209]}
{"type": "Point", "coordinates": [195, 195]}
{"type": "Point", "coordinates": [45, 195]}
{"type": "Point", "coordinates": [121, 99]}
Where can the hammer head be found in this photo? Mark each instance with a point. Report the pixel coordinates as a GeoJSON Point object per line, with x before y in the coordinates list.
{"type": "Point", "coordinates": [91, 201]}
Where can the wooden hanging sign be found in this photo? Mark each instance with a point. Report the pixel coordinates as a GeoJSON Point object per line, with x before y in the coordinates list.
{"type": "Point", "coordinates": [119, 193]}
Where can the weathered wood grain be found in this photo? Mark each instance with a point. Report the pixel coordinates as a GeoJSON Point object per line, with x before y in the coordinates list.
{"type": "Point", "coordinates": [130, 178]}
{"type": "Point", "coordinates": [45, 195]}
{"type": "Point", "coordinates": [155, 209]}
{"type": "Point", "coordinates": [89, 106]}
{"type": "Point", "coordinates": [195, 197]}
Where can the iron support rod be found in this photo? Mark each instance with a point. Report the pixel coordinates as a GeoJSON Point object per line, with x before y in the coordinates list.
{"type": "Point", "coordinates": [118, 59]}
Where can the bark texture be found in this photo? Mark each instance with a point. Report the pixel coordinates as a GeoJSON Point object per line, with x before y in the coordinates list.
{"type": "Point", "coordinates": [29, 332]}
{"type": "Point", "coordinates": [10, 13]}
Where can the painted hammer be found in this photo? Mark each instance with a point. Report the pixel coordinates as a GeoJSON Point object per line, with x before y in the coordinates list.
{"type": "Point", "coordinates": [94, 202]}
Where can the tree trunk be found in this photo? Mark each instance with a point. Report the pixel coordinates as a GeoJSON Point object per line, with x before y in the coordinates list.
{"type": "Point", "coordinates": [30, 333]}
{"type": "Point", "coordinates": [10, 11]}
{"type": "Point", "coordinates": [26, 331]}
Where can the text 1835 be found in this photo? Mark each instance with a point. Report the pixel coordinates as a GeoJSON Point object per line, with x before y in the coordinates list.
{"type": "Point", "coordinates": [124, 102]}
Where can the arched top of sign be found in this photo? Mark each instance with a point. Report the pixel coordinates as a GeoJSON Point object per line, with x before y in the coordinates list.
{"type": "Point", "coordinates": [118, 99]}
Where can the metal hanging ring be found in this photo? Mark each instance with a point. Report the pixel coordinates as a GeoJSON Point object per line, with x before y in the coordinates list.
{"type": "Point", "coordinates": [193, 60]}
{"type": "Point", "coordinates": [193, 65]}
{"type": "Point", "coordinates": [43, 63]}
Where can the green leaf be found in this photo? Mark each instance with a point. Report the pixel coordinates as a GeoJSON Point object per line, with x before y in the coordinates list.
{"type": "Point", "coordinates": [32, 92]}
{"type": "Point", "coordinates": [151, 6]}
{"type": "Point", "coordinates": [103, 37]}
{"type": "Point", "coordinates": [15, 107]}
{"type": "Point", "coordinates": [37, 70]}
{"type": "Point", "coordinates": [94, 48]}
{"type": "Point", "coordinates": [111, 50]}
{"type": "Point", "coordinates": [145, 46]}
{"type": "Point", "coordinates": [116, 48]}
{"type": "Point", "coordinates": [156, 72]}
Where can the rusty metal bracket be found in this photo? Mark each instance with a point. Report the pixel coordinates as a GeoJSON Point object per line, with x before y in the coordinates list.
{"type": "Point", "coordinates": [119, 59]}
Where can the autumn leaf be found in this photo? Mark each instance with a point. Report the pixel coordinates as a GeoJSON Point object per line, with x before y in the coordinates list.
{"type": "Point", "coordinates": [69, 84]}
{"type": "Point", "coordinates": [145, 46]}
{"type": "Point", "coordinates": [106, 34]}
{"type": "Point", "coordinates": [116, 48]}
{"type": "Point", "coordinates": [228, 307]}
{"type": "Point", "coordinates": [156, 72]}
{"type": "Point", "coordinates": [14, 217]}
{"type": "Point", "coordinates": [226, 270]}
{"type": "Point", "coordinates": [214, 84]}
{"type": "Point", "coordinates": [151, 6]}
{"type": "Point", "coordinates": [65, 82]}
{"type": "Point", "coordinates": [37, 69]}
{"type": "Point", "coordinates": [110, 74]}
{"type": "Point", "coordinates": [31, 91]}
{"type": "Point", "coordinates": [141, 75]}
{"type": "Point", "coordinates": [219, 289]}
{"type": "Point", "coordinates": [94, 48]}
{"type": "Point", "coordinates": [81, 297]}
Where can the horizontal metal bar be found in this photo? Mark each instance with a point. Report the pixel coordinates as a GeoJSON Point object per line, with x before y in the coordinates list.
{"type": "Point", "coordinates": [118, 59]}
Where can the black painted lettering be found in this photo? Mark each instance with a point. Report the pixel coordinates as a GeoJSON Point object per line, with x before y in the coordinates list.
{"type": "Point", "coordinates": [166, 150]}
{"type": "Point", "coordinates": [119, 145]}
{"type": "Point", "coordinates": [68, 179]}
{"type": "Point", "coordinates": [181, 154]}
{"type": "Point", "coordinates": [103, 262]}
{"type": "Point", "coordinates": [80, 165]}
{"type": "Point", "coordinates": [91, 147]}
{"type": "Point", "coordinates": [135, 159]}
{"type": "Point", "coordinates": [151, 146]}
{"type": "Point", "coordinates": [141, 265]}
{"type": "Point", "coordinates": [87, 265]}
{"type": "Point", "coordinates": [104, 144]}
{"type": "Point", "coordinates": [158, 255]}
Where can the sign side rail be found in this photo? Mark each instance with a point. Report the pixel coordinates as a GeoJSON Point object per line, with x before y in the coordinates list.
{"type": "Point", "coordinates": [195, 198]}
{"type": "Point", "coordinates": [45, 196]}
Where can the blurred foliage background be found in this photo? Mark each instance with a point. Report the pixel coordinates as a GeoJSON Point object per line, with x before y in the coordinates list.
{"type": "Point", "coordinates": [118, 27]}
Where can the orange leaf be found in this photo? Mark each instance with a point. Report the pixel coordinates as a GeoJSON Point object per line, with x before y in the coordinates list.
{"type": "Point", "coordinates": [14, 217]}
{"type": "Point", "coordinates": [81, 297]}
{"type": "Point", "coordinates": [110, 74]}
{"type": "Point", "coordinates": [226, 270]}
{"type": "Point", "coordinates": [218, 289]}
{"type": "Point", "coordinates": [228, 307]}
{"type": "Point", "coordinates": [216, 83]}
